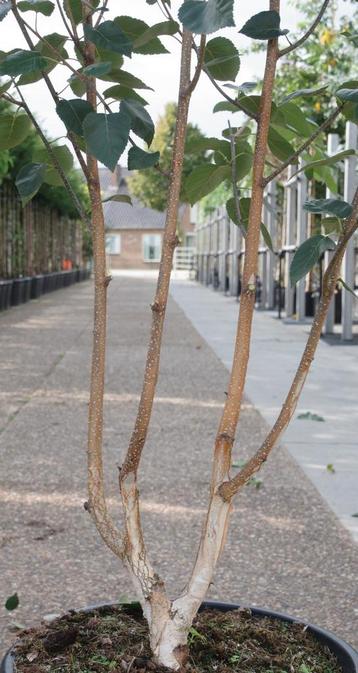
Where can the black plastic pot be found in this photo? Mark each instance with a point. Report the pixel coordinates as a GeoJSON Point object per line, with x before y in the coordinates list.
{"type": "Point", "coordinates": [5, 294]}
{"type": "Point", "coordinates": [21, 289]}
{"type": "Point", "coordinates": [346, 655]}
{"type": "Point", "coordinates": [37, 285]}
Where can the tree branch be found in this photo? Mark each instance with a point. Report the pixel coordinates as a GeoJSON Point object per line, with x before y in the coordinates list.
{"type": "Point", "coordinates": [199, 65]}
{"type": "Point", "coordinates": [96, 492]}
{"type": "Point", "coordinates": [229, 488]}
{"type": "Point", "coordinates": [326, 124]}
{"type": "Point", "coordinates": [216, 523]}
{"type": "Point", "coordinates": [233, 101]}
{"type": "Point", "coordinates": [308, 32]}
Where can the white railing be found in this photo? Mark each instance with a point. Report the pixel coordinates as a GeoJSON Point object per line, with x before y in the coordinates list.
{"type": "Point", "coordinates": [184, 258]}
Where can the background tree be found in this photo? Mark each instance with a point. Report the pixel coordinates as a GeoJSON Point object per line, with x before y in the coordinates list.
{"type": "Point", "coordinates": [151, 186]}
{"type": "Point", "coordinates": [319, 62]}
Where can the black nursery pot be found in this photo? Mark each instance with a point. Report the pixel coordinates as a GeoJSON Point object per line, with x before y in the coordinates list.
{"type": "Point", "coordinates": [21, 288]}
{"type": "Point", "coordinates": [37, 286]}
{"type": "Point", "coordinates": [346, 655]}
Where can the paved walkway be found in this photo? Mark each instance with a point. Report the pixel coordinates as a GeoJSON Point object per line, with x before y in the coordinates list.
{"type": "Point", "coordinates": [286, 549]}
{"type": "Point", "coordinates": [331, 391]}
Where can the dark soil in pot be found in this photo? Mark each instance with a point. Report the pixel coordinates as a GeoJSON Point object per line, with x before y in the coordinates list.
{"type": "Point", "coordinates": [115, 639]}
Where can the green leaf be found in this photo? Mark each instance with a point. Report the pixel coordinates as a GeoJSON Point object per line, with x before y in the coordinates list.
{"type": "Point", "coordinates": [108, 35]}
{"type": "Point", "coordinates": [63, 157]}
{"type": "Point", "coordinates": [346, 287]}
{"type": "Point", "coordinates": [294, 119]}
{"type": "Point", "coordinates": [135, 29]}
{"type": "Point", "coordinates": [45, 7]}
{"type": "Point", "coordinates": [127, 79]}
{"type": "Point", "coordinates": [5, 87]}
{"type": "Point", "coordinates": [224, 106]}
{"type": "Point", "coordinates": [327, 161]}
{"type": "Point", "coordinates": [29, 180]}
{"type": "Point", "coordinates": [203, 180]}
{"type": "Point", "coordinates": [309, 416]}
{"type": "Point", "coordinates": [73, 9]}
{"type": "Point", "coordinates": [21, 61]}
{"type": "Point", "coordinates": [119, 92]}
{"type": "Point", "coordinates": [348, 95]}
{"type": "Point", "coordinates": [141, 122]}
{"type": "Point", "coordinates": [139, 159]}
{"type": "Point", "coordinates": [206, 17]}
{"type": "Point", "coordinates": [263, 26]}
{"type": "Point", "coordinates": [279, 147]}
{"type": "Point", "coordinates": [162, 28]}
{"type": "Point", "coordinates": [5, 7]}
{"type": "Point", "coordinates": [78, 86]}
{"type": "Point", "coordinates": [73, 112]}
{"type": "Point", "coordinates": [97, 69]}
{"type": "Point", "coordinates": [336, 207]}
{"type": "Point", "coordinates": [308, 254]}
{"type": "Point", "coordinates": [203, 144]}
{"type": "Point", "coordinates": [46, 48]}
{"type": "Point", "coordinates": [266, 236]}
{"type": "Point", "coordinates": [121, 198]}
{"type": "Point", "coordinates": [303, 92]}
{"type": "Point", "coordinates": [222, 59]}
{"type": "Point", "coordinates": [12, 602]}
{"type": "Point", "coordinates": [106, 136]}
{"type": "Point", "coordinates": [14, 128]}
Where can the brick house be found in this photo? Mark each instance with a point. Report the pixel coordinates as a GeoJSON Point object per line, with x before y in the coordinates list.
{"type": "Point", "coordinates": [134, 233]}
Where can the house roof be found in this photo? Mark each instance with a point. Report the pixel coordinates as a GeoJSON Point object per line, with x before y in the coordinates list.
{"type": "Point", "coordinates": [121, 215]}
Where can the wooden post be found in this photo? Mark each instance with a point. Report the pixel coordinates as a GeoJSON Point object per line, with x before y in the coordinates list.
{"type": "Point", "coordinates": [350, 183]}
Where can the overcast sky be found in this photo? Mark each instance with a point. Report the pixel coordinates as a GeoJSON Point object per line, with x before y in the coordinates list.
{"type": "Point", "coordinates": [160, 72]}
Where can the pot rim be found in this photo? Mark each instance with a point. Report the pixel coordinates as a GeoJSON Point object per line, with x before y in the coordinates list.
{"type": "Point", "coordinates": [345, 653]}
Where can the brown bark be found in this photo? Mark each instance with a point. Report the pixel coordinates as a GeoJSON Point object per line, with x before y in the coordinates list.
{"type": "Point", "coordinates": [97, 503]}
{"type": "Point", "coordinates": [230, 417]}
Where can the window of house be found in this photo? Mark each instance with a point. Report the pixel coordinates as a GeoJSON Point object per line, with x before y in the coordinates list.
{"type": "Point", "coordinates": [113, 244]}
{"type": "Point", "coordinates": [152, 247]}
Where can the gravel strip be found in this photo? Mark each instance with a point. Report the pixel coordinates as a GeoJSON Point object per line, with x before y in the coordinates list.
{"type": "Point", "coordinates": [286, 550]}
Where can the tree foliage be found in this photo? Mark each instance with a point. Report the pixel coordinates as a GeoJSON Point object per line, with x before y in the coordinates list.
{"type": "Point", "coordinates": [151, 186]}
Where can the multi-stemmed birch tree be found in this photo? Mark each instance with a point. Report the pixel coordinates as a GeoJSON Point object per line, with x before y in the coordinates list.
{"type": "Point", "coordinates": [100, 122]}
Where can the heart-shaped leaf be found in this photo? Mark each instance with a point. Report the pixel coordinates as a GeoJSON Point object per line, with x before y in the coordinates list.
{"type": "Point", "coordinates": [139, 159]}
{"type": "Point", "coordinates": [28, 182]}
{"type": "Point", "coordinates": [264, 26]}
{"type": "Point", "coordinates": [106, 136]}
{"type": "Point", "coordinates": [62, 156]}
{"type": "Point", "coordinates": [141, 122]}
{"type": "Point", "coordinates": [206, 17]}
{"type": "Point", "coordinates": [73, 112]}
{"type": "Point", "coordinates": [336, 207]}
{"type": "Point", "coordinates": [45, 7]}
{"type": "Point", "coordinates": [14, 128]}
{"type": "Point", "coordinates": [222, 59]}
{"type": "Point", "coordinates": [108, 35]}
{"type": "Point", "coordinates": [21, 61]}
{"type": "Point", "coordinates": [5, 7]}
{"type": "Point", "coordinates": [308, 254]}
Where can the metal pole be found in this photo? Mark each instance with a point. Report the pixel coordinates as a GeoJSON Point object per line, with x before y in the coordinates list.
{"type": "Point", "coordinates": [332, 148]}
{"type": "Point", "coordinates": [290, 238]}
{"type": "Point", "coordinates": [270, 256]}
{"type": "Point", "coordinates": [301, 237]}
{"type": "Point", "coordinates": [350, 182]}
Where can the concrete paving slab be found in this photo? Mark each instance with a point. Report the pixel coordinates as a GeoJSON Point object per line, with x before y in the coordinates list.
{"type": "Point", "coordinates": [331, 390]}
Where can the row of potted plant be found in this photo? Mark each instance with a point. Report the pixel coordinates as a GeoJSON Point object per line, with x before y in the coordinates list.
{"type": "Point", "coordinates": [15, 291]}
